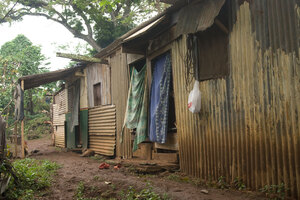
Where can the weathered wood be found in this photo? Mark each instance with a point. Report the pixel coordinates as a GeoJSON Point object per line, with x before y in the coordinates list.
{"type": "Point", "coordinates": [146, 151]}
{"type": "Point", "coordinates": [22, 130]}
{"type": "Point", "coordinates": [98, 73]}
{"type": "Point", "coordinates": [171, 143]}
{"type": "Point", "coordinates": [16, 138]}
{"type": "Point", "coordinates": [81, 58]}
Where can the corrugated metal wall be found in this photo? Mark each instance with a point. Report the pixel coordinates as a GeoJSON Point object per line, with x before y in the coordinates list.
{"type": "Point", "coordinates": [59, 128]}
{"type": "Point", "coordinates": [249, 125]}
{"type": "Point", "coordinates": [61, 100]}
{"type": "Point", "coordinates": [120, 86]}
{"type": "Point", "coordinates": [102, 129]}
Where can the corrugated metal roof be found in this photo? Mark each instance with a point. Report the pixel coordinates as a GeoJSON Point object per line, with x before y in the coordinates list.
{"type": "Point", "coordinates": [116, 44]}
{"type": "Point", "coordinates": [36, 80]}
{"type": "Point", "coordinates": [144, 30]}
{"type": "Point", "coordinates": [198, 17]}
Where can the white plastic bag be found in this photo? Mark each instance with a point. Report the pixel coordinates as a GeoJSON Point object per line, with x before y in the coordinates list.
{"type": "Point", "coordinates": [194, 101]}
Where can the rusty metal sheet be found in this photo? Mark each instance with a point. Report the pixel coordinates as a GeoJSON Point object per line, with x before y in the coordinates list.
{"type": "Point", "coordinates": [102, 129]}
{"type": "Point", "coordinates": [198, 16]}
{"type": "Point", "coordinates": [249, 125]}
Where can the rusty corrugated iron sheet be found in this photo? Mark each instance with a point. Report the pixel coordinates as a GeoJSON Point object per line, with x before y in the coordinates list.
{"type": "Point", "coordinates": [249, 126]}
{"type": "Point", "coordinates": [102, 129]}
{"type": "Point", "coordinates": [198, 16]}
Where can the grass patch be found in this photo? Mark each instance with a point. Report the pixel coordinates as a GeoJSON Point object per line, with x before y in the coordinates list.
{"type": "Point", "coordinates": [178, 178]}
{"type": "Point", "coordinates": [145, 194]}
{"type": "Point", "coordinates": [34, 176]}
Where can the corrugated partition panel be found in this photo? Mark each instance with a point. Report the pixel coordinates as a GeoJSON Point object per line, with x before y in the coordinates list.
{"type": "Point", "coordinates": [99, 73]}
{"type": "Point", "coordinates": [58, 125]}
{"type": "Point", "coordinates": [249, 125]}
{"type": "Point", "coordinates": [59, 132]}
{"type": "Point", "coordinates": [62, 101]}
{"type": "Point", "coordinates": [102, 129]}
{"type": "Point", "coordinates": [120, 86]}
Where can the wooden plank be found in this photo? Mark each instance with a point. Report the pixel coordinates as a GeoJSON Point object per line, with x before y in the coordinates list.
{"type": "Point", "coordinates": [81, 58]}
{"type": "Point", "coordinates": [171, 143]}
{"type": "Point", "coordinates": [22, 129]}
{"type": "Point", "coordinates": [168, 157]}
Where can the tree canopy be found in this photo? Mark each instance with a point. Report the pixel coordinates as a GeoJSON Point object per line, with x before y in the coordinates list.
{"type": "Point", "coordinates": [98, 22]}
{"type": "Point", "coordinates": [20, 57]}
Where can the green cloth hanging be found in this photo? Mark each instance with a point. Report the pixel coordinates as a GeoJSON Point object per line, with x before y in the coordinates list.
{"type": "Point", "coordinates": [136, 115]}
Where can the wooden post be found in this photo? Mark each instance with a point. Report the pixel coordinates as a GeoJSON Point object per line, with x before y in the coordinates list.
{"type": "Point", "coordinates": [16, 138]}
{"type": "Point", "coordinates": [22, 129]}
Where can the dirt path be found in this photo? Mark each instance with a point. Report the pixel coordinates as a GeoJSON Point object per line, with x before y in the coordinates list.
{"type": "Point", "coordinates": [76, 169]}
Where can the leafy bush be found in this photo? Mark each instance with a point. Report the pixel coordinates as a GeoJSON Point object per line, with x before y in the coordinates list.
{"type": "Point", "coordinates": [35, 125]}
{"type": "Point", "coordinates": [275, 191]}
{"type": "Point", "coordinates": [34, 175]}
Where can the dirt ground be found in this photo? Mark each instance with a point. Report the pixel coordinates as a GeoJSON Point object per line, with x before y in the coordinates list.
{"type": "Point", "coordinates": [76, 169]}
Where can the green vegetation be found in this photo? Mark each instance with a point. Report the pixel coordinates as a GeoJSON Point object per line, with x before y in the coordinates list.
{"type": "Point", "coordinates": [34, 176]}
{"type": "Point", "coordinates": [35, 126]}
{"type": "Point", "coordinates": [80, 191]}
{"type": "Point", "coordinates": [276, 192]}
{"type": "Point", "coordinates": [222, 183]}
{"type": "Point", "coordinates": [178, 178]}
{"type": "Point", "coordinates": [145, 194]}
{"type": "Point", "coordinates": [98, 22]}
{"type": "Point", "coordinates": [239, 184]}
{"type": "Point", "coordinates": [20, 57]}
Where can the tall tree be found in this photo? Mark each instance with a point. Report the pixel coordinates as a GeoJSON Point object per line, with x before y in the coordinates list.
{"type": "Point", "coordinates": [98, 22]}
{"type": "Point", "coordinates": [18, 57]}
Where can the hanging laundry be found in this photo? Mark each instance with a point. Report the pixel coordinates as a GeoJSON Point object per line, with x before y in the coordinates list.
{"type": "Point", "coordinates": [159, 99]}
{"type": "Point", "coordinates": [137, 106]}
{"type": "Point", "coordinates": [75, 105]}
{"type": "Point", "coordinates": [19, 103]}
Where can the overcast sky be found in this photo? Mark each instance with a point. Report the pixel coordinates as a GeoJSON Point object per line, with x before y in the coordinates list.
{"type": "Point", "coordinates": [49, 35]}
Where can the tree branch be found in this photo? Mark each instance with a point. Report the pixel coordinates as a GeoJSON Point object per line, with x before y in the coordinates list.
{"type": "Point", "coordinates": [85, 19]}
{"type": "Point", "coordinates": [88, 38]}
{"type": "Point", "coordinates": [3, 19]}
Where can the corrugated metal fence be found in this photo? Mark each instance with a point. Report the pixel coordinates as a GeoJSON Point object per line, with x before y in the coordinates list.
{"type": "Point", "coordinates": [249, 126]}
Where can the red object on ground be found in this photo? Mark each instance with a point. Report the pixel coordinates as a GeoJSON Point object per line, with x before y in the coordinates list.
{"type": "Point", "coordinates": [118, 166]}
{"type": "Point", "coordinates": [104, 166]}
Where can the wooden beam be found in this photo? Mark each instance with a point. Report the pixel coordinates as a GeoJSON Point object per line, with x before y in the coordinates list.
{"type": "Point", "coordinates": [16, 138]}
{"type": "Point", "coordinates": [22, 129]}
{"type": "Point", "coordinates": [81, 58]}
